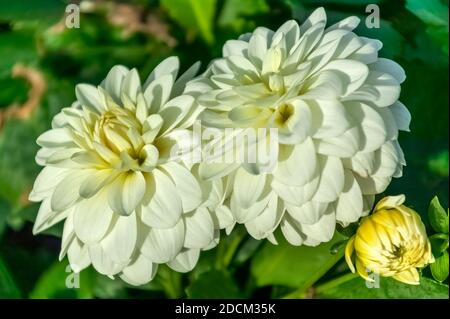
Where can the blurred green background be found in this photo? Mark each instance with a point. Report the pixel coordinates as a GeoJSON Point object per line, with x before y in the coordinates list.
{"type": "Point", "coordinates": [41, 61]}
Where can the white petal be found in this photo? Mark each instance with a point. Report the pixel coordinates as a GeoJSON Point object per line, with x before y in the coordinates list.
{"type": "Point", "coordinates": [199, 228]}
{"type": "Point", "coordinates": [46, 217]}
{"type": "Point", "coordinates": [308, 213]}
{"type": "Point", "coordinates": [349, 206]}
{"type": "Point", "coordinates": [297, 164]}
{"type": "Point", "coordinates": [187, 187]}
{"type": "Point", "coordinates": [163, 206]}
{"type": "Point", "coordinates": [89, 96]}
{"type": "Point", "coordinates": [140, 272]}
{"type": "Point", "coordinates": [291, 231]}
{"type": "Point", "coordinates": [78, 256]}
{"type": "Point", "coordinates": [126, 193]}
{"type": "Point", "coordinates": [401, 115]}
{"type": "Point", "coordinates": [329, 118]}
{"type": "Point", "coordinates": [114, 80]}
{"type": "Point", "coordinates": [248, 187]}
{"type": "Point", "coordinates": [67, 191]}
{"type": "Point", "coordinates": [296, 195]}
{"type": "Point", "coordinates": [102, 262]}
{"type": "Point", "coordinates": [58, 137]}
{"type": "Point", "coordinates": [163, 245]}
{"type": "Point", "coordinates": [46, 181]}
{"type": "Point", "coordinates": [185, 261]}
{"type": "Point", "coordinates": [120, 241]}
{"type": "Point", "coordinates": [331, 179]}
{"type": "Point", "coordinates": [170, 66]}
{"type": "Point", "coordinates": [323, 230]}
{"type": "Point", "coordinates": [92, 218]}
{"type": "Point", "coordinates": [263, 225]}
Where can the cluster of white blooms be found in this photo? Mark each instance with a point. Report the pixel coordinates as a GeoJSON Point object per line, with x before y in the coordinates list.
{"type": "Point", "coordinates": [129, 204]}
{"type": "Point", "coordinates": [335, 105]}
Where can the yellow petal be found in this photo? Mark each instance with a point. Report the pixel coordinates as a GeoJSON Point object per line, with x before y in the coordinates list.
{"type": "Point", "coordinates": [349, 249]}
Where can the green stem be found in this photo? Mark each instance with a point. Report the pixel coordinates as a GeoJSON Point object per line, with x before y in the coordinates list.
{"type": "Point", "coordinates": [335, 282]}
{"type": "Point", "coordinates": [227, 251]}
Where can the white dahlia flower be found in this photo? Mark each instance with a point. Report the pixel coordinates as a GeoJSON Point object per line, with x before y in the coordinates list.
{"type": "Point", "coordinates": [335, 105]}
{"type": "Point", "coordinates": [127, 203]}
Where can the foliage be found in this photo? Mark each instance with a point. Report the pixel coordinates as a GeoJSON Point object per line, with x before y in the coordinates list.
{"type": "Point", "coordinates": [142, 33]}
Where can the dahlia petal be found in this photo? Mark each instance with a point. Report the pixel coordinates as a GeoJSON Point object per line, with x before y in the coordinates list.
{"type": "Point", "coordinates": [89, 96]}
{"type": "Point", "coordinates": [114, 81]}
{"type": "Point", "coordinates": [257, 48]}
{"type": "Point", "coordinates": [102, 262]}
{"type": "Point", "coordinates": [163, 245]}
{"type": "Point", "coordinates": [235, 47]}
{"type": "Point", "coordinates": [95, 182]}
{"type": "Point", "coordinates": [120, 241]}
{"type": "Point", "coordinates": [390, 67]}
{"type": "Point", "coordinates": [68, 235]}
{"type": "Point", "coordinates": [265, 223]}
{"type": "Point", "coordinates": [78, 256]}
{"type": "Point", "coordinates": [170, 66]}
{"type": "Point", "coordinates": [350, 203]}
{"type": "Point", "coordinates": [323, 230]}
{"type": "Point", "coordinates": [352, 73]}
{"type": "Point", "coordinates": [210, 171]}
{"type": "Point", "coordinates": [409, 276]}
{"type": "Point", "coordinates": [181, 83]}
{"type": "Point", "coordinates": [157, 93]}
{"type": "Point", "coordinates": [126, 192]}
{"type": "Point", "coordinates": [131, 85]}
{"type": "Point", "coordinates": [344, 146]}
{"type": "Point", "coordinates": [331, 179]}
{"type": "Point", "coordinates": [187, 186]}
{"type": "Point", "coordinates": [296, 164]}
{"type": "Point", "coordinates": [163, 208]}
{"type": "Point", "coordinates": [139, 272]}
{"type": "Point", "coordinates": [308, 213]}
{"type": "Point", "coordinates": [46, 182]}
{"type": "Point", "coordinates": [296, 195]}
{"type": "Point", "coordinates": [175, 111]}
{"type": "Point", "coordinates": [66, 192]}
{"type": "Point", "coordinates": [401, 115]}
{"type": "Point", "coordinates": [199, 228]}
{"type": "Point", "coordinates": [291, 231]}
{"type": "Point", "coordinates": [329, 119]}
{"type": "Point", "coordinates": [46, 217]}
{"type": "Point", "coordinates": [185, 261]}
{"type": "Point", "coordinates": [248, 188]}
{"type": "Point", "coordinates": [291, 32]}
{"type": "Point", "coordinates": [222, 217]}
{"type": "Point", "coordinates": [92, 218]}
{"type": "Point", "coordinates": [58, 137]}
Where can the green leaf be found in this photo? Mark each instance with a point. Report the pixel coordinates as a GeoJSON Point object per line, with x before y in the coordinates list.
{"type": "Point", "coordinates": [194, 15]}
{"type": "Point", "coordinates": [439, 243]}
{"type": "Point", "coordinates": [60, 282]}
{"type": "Point", "coordinates": [235, 13]}
{"type": "Point", "coordinates": [297, 267]}
{"type": "Point", "coordinates": [438, 163]}
{"type": "Point", "coordinates": [45, 11]}
{"type": "Point", "coordinates": [16, 47]}
{"type": "Point", "coordinates": [8, 287]}
{"type": "Point", "coordinates": [215, 284]}
{"type": "Point", "coordinates": [438, 217]}
{"type": "Point", "coordinates": [430, 11]}
{"type": "Point", "coordinates": [388, 289]}
{"type": "Point", "coordinates": [439, 269]}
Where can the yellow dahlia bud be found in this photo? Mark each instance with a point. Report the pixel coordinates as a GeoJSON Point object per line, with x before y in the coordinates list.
{"type": "Point", "coordinates": [391, 242]}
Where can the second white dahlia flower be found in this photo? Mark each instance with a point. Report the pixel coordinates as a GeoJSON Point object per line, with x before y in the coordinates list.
{"type": "Point", "coordinates": [127, 203]}
{"type": "Point", "coordinates": [335, 105]}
